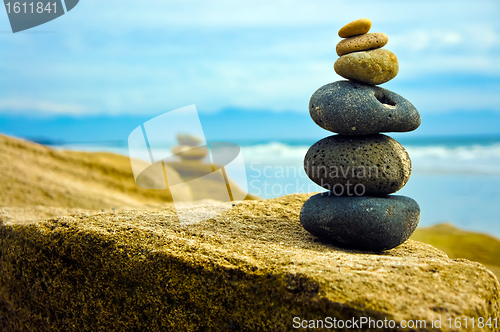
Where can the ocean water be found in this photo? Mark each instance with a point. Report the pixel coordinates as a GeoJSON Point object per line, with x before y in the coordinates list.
{"type": "Point", "coordinates": [454, 179]}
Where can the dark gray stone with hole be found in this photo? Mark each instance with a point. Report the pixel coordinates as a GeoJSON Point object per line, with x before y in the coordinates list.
{"type": "Point", "coordinates": [358, 165]}
{"type": "Point", "coordinates": [353, 108]}
{"type": "Point", "coordinates": [363, 223]}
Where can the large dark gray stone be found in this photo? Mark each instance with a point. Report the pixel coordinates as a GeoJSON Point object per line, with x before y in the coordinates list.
{"type": "Point", "coordinates": [358, 165]}
{"type": "Point", "coordinates": [364, 223]}
{"type": "Point", "coordinates": [352, 108]}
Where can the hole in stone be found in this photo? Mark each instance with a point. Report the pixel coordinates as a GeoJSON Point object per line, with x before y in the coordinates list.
{"type": "Point", "coordinates": [385, 99]}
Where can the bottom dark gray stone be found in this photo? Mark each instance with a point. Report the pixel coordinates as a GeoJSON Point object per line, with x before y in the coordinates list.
{"type": "Point", "coordinates": [361, 222]}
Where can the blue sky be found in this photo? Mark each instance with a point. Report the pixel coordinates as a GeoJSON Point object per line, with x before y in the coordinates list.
{"type": "Point", "coordinates": [122, 57]}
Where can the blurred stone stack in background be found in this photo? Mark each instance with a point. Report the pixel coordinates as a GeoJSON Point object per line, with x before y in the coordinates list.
{"type": "Point", "coordinates": [188, 148]}
{"type": "Point", "coordinates": [360, 167]}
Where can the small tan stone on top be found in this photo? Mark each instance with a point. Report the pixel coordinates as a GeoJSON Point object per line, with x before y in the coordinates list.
{"type": "Point", "coordinates": [190, 152]}
{"type": "Point", "coordinates": [355, 28]}
{"type": "Point", "coordinates": [369, 41]}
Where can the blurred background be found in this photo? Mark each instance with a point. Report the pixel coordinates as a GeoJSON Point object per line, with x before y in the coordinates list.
{"type": "Point", "coordinates": [85, 80]}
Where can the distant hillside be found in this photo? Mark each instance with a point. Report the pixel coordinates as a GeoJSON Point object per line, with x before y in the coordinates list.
{"type": "Point", "coordinates": [458, 243]}
{"type": "Point", "coordinates": [32, 174]}
{"type": "Point", "coordinates": [232, 125]}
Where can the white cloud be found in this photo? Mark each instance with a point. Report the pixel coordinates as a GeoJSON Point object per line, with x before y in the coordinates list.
{"type": "Point", "coordinates": [130, 14]}
{"type": "Point", "coordinates": [42, 106]}
{"type": "Point", "coordinates": [415, 41]}
{"type": "Point", "coordinates": [451, 38]}
{"type": "Point", "coordinates": [465, 40]}
{"type": "Point", "coordinates": [482, 36]}
{"type": "Point", "coordinates": [445, 99]}
{"type": "Point", "coordinates": [124, 56]}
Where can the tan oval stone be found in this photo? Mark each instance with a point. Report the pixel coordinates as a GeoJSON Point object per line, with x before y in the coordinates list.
{"type": "Point", "coordinates": [370, 67]}
{"type": "Point", "coordinates": [368, 41]}
{"type": "Point", "coordinates": [354, 28]}
{"type": "Point", "coordinates": [190, 152]}
{"type": "Point", "coordinates": [189, 140]}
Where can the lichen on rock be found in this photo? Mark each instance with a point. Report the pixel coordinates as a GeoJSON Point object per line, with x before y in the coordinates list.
{"type": "Point", "coordinates": [253, 268]}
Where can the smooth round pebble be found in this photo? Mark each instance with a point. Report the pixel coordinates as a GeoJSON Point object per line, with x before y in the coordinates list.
{"type": "Point", "coordinates": [190, 152]}
{"type": "Point", "coordinates": [363, 223]}
{"type": "Point", "coordinates": [353, 108]}
{"type": "Point", "coordinates": [358, 165]}
{"type": "Point", "coordinates": [354, 28]}
{"type": "Point", "coordinates": [189, 140]}
{"type": "Point", "coordinates": [370, 67]}
{"type": "Point", "coordinates": [369, 41]}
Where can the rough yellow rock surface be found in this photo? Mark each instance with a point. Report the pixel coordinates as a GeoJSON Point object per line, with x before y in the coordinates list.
{"type": "Point", "coordinates": [354, 28]}
{"type": "Point", "coordinates": [370, 67]}
{"type": "Point", "coordinates": [364, 42]}
{"type": "Point", "coordinates": [253, 268]}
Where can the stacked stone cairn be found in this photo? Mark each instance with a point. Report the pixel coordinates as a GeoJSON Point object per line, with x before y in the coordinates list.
{"type": "Point", "coordinates": [360, 167]}
{"type": "Point", "coordinates": [189, 148]}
